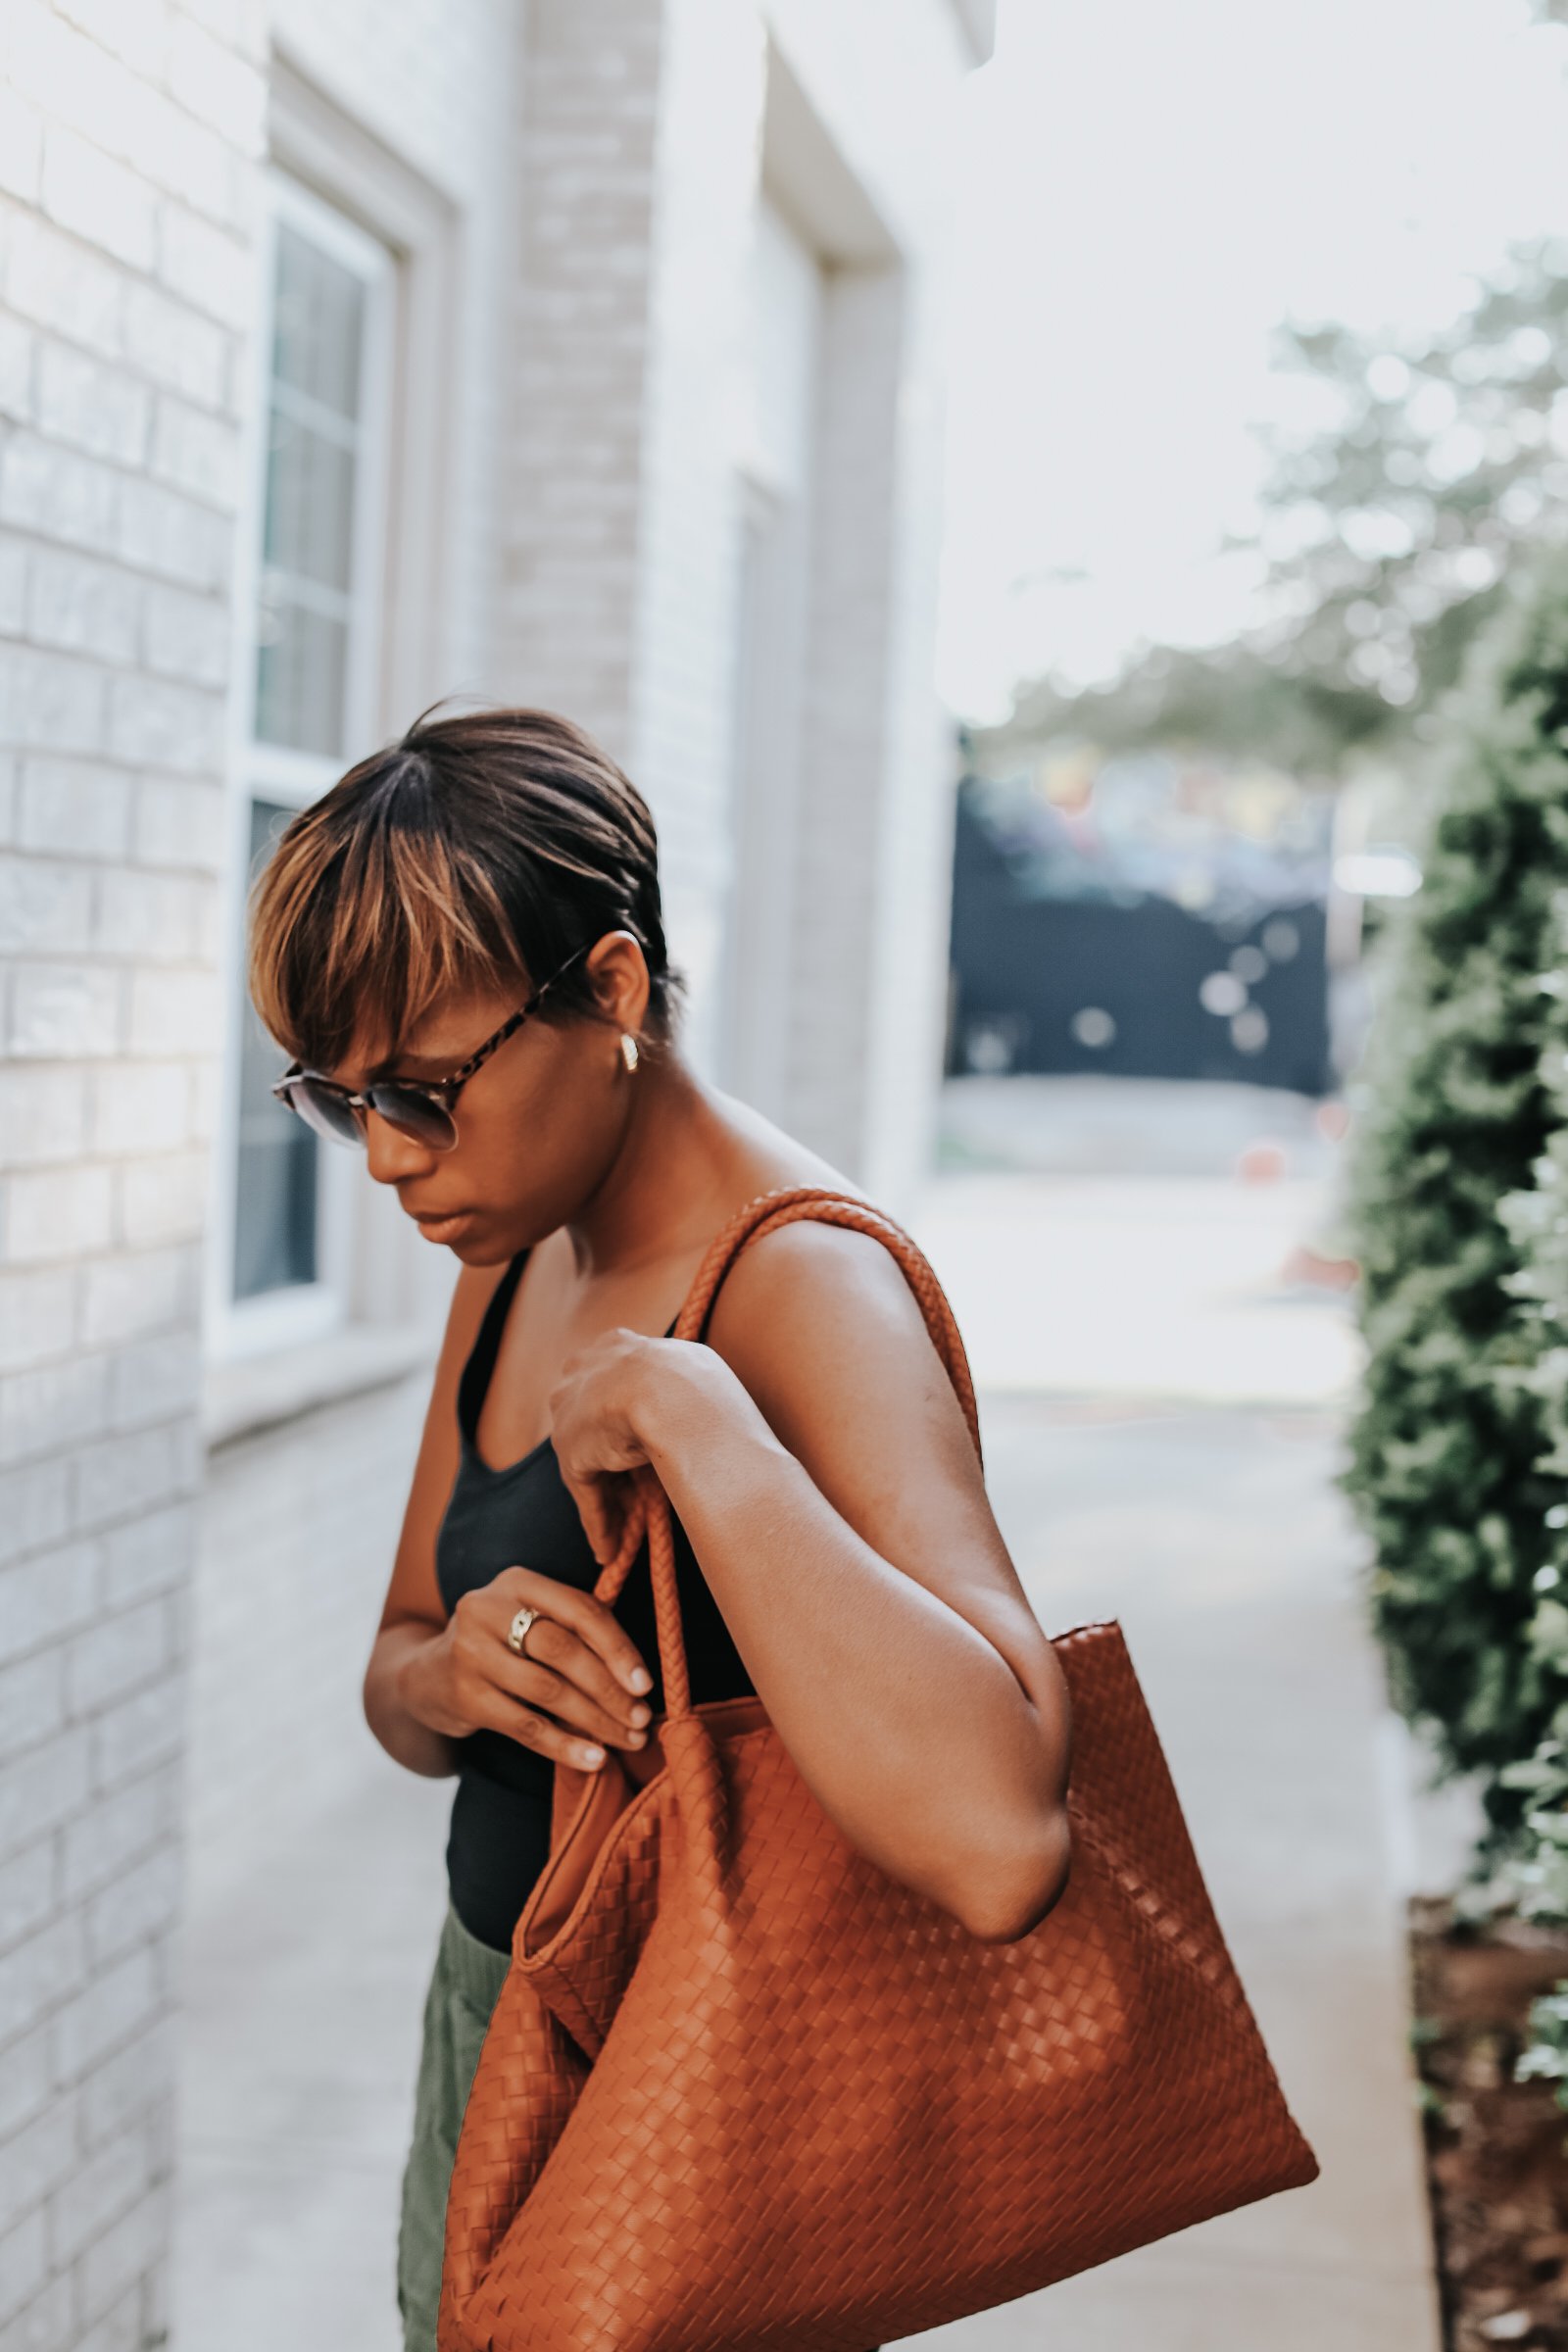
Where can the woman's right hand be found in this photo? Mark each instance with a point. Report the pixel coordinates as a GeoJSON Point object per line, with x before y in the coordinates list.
{"type": "Point", "coordinates": [578, 1676]}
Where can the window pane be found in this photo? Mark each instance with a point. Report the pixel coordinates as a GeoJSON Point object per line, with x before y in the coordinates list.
{"type": "Point", "coordinates": [310, 504]}
{"type": "Point", "coordinates": [317, 322]}
{"type": "Point", "coordinates": [308, 526]}
{"type": "Point", "coordinates": [301, 661]}
{"type": "Point", "coordinates": [275, 1207]}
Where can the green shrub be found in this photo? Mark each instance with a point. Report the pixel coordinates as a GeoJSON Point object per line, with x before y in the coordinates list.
{"type": "Point", "coordinates": [1453, 1469]}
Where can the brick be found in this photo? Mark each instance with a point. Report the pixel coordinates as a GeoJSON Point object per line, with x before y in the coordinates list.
{"type": "Point", "coordinates": [151, 1553]}
{"type": "Point", "coordinates": [78, 806]}
{"type": "Point", "coordinates": [154, 1382]}
{"type": "Point", "coordinates": [175, 1012]}
{"type": "Point", "coordinates": [206, 1099]}
{"type": "Point", "coordinates": [34, 1508]}
{"type": "Point", "coordinates": [54, 280]}
{"type": "Point", "coordinates": [24, 2262]}
{"type": "Point", "coordinates": [40, 1787]}
{"type": "Point", "coordinates": [114, 2264]}
{"type": "Point", "coordinates": [182, 821]}
{"type": "Point", "coordinates": [45, 1596]}
{"type": "Point", "coordinates": [44, 906]}
{"type": "Point", "coordinates": [186, 158]}
{"type": "Point", "coordinates": [114, 1656]}
{"type": "Point", "coordinates": [52, 700]}
{"type": "Point", "coordinates": [37, 1317]}
{"type": "Point", "coordinates": [52, 1407]}
{"type": "Point", "coordinates": [65, 1011]}
{"type": "Point", "coordinates": [145, 1729]}
{"type": "Point", "coordinates": [197, 452]}
{"type": "Point", "coordinates": [26, 1890]}
{"type": "Point", "coordinates": [57, 1213]}
{"type": "Point", "coordinates": [93, 405]}
{"type": "Point", "coordinates": [42, 1974]}
{"type": "Point", "coordinates": [162, 531]}
{"type": "Point", "coordinates": [103, 2187]}
{"type": "Point", "coordinates": [134, 30]}
{"type": "Point", "coordinates": [87, 191]}
{"type": "Point", "coordinates": [120, 1830]}
{"type": "Point", "coordinates": [139, 1107]}
{"type": "Point", "coordinates": [130, 1297]}
{"type": "Point", "coordinates": [43, 1114]}
{"type": "Point", "coordinates": [144, 1901]}
{"type": "Point", "coordinates": [188, 636]}
{"type": "Point", "coordinates": [168, 344]}
{"type": "Point", "coordinates": [20, 145]}
{"type": "Point", "coordinates": [25, 2078]}
{"type": "Point", "coordinates": [163, 1201]}
{"type": "Point", "coordinates": [13, 562]}
{"type": "Point", "coordinates": [218, 86]}
{"type": "Point", "coordinates": [32, 1701]}
{"type": "Point", "coordinates": [131, 2079]}
{"type": "Point", "coordinates": [158, 720]}
{"type": "Point", "coordinates": [107, 2012]}
{"type": "Point", "coordinates": [59, 493]}
{"type": "Point", "coordinates": [17, 346]}
{"type": "Point", "coordinates": [83, 605]}
{"type": "Point", "coordinates": [206, 266]}
{"type": "Point", "coordinates": [145, 917]}
{"type": "Point", "coordinates": [241, 25]}
{"type": "Point", "coordinates": [45, 2325]}
{"type": "Point", "coordinates": [116, 1477]}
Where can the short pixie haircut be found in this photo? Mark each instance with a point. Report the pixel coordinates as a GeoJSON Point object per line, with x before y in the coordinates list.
{"type": "Point", "coordinates": [478, 851]}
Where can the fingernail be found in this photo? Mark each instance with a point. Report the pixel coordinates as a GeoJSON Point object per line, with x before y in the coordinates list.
{"type": "Point", "coordinates": [592, 1755]}
{"type": "Point", "coordinates": [640, 1679]}
{"type": "Point", "coordinates": [640, 1714]}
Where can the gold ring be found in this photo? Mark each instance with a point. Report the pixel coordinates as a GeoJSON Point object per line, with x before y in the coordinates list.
{"type": "Point", "coordinates": [519, 1628]}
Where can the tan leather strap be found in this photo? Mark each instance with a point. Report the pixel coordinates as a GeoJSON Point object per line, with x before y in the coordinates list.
{"type": "Point", "coordinates": [650, 1512]}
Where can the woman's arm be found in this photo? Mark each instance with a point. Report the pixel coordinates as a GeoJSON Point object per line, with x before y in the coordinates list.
{"type": "Point", "coordinates": [819, 1460]}
{"type": "Point", "coordinates": [414, 1613]}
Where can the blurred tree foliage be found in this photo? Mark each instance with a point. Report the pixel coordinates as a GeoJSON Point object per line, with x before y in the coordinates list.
{"type": "Point", "coordinates": [1387, 532]}
{"type": "Point", "coordinates": [1457, 1452]}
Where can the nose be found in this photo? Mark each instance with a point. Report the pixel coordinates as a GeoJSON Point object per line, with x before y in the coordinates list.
{"type": "Point", "coordinates": [392, 1156]}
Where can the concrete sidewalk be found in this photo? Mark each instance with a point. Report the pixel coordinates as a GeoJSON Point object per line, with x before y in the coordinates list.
{"type": "Point", "coordinates": [1160, 1490]}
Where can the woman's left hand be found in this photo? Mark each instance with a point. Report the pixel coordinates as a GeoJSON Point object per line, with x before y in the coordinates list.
{"type": "Point", "coordinates": [593, 1427]}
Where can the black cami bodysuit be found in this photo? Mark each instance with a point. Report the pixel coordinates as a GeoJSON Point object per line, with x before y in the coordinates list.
{"type": "Point", "coordinates": [524, 1515]}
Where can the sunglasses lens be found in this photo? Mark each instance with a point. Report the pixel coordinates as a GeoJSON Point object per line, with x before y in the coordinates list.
{"type": "Point", "coordinates": [415, 1114]}
{"type": "Point", "coordinates": [326, 1112]}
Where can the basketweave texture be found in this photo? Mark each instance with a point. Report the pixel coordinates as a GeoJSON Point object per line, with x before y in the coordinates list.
{"type": "Point", "coordinates": [743, 2091]}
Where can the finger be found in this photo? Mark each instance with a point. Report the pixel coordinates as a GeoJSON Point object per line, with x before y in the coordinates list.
{"type": "Point", "coordinates": [546, 1738]}
{"type": "Point", "coordinates": [561, 1674]}
{"type": "Point", "coordinates": [589, 1619]}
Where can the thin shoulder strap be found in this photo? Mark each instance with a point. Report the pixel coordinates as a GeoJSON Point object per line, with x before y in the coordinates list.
{"type": "Point", "coordinates": [475, 1379]}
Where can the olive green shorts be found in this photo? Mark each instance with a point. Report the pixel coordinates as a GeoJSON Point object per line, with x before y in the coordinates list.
{"type": "Point", "coordinates": [465, 1985]}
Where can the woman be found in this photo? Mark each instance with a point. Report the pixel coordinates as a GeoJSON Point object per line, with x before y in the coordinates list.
{"type": "Point", "coordinates": [461, 945]}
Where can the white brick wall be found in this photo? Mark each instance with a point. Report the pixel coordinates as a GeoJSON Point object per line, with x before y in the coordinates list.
{"type": "Point", "coordinates": [130, 132]}
{"type": "Point", "coordinates": [600, 158]}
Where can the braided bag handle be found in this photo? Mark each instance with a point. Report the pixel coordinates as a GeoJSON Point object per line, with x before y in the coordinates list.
{"type": "Point", "coordinates": [649, 1512]}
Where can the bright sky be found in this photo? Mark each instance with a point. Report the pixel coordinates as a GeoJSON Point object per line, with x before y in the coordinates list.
{"type": "Point", "coordinates": [1146, 189]}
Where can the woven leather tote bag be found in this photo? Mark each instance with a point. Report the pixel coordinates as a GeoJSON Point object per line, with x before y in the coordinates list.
{"type": "Point", "coordinates": [743, 2091]}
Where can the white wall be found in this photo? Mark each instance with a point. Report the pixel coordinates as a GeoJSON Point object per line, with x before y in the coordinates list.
{"type": "Point", "coordinates": [129, 143]}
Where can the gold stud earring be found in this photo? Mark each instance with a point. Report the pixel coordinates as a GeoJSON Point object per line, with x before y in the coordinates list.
{"type": "Point", "coordinates": [628, 1049]}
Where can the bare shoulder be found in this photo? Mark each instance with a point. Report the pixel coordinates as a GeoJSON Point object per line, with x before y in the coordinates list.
{"type": "Point", "coordinates": [820, 1324]}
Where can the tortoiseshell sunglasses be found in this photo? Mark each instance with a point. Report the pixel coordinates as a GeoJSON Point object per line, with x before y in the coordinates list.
{"type": "Point", "coordinates": [420, 1108]}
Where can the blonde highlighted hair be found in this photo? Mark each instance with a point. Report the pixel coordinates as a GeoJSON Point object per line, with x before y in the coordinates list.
{"type": "Point", "coordinates": [476, 852]}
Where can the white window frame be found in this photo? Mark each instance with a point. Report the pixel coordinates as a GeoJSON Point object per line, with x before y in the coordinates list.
{"type": "Point", "coordinates": [302, 1311]}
